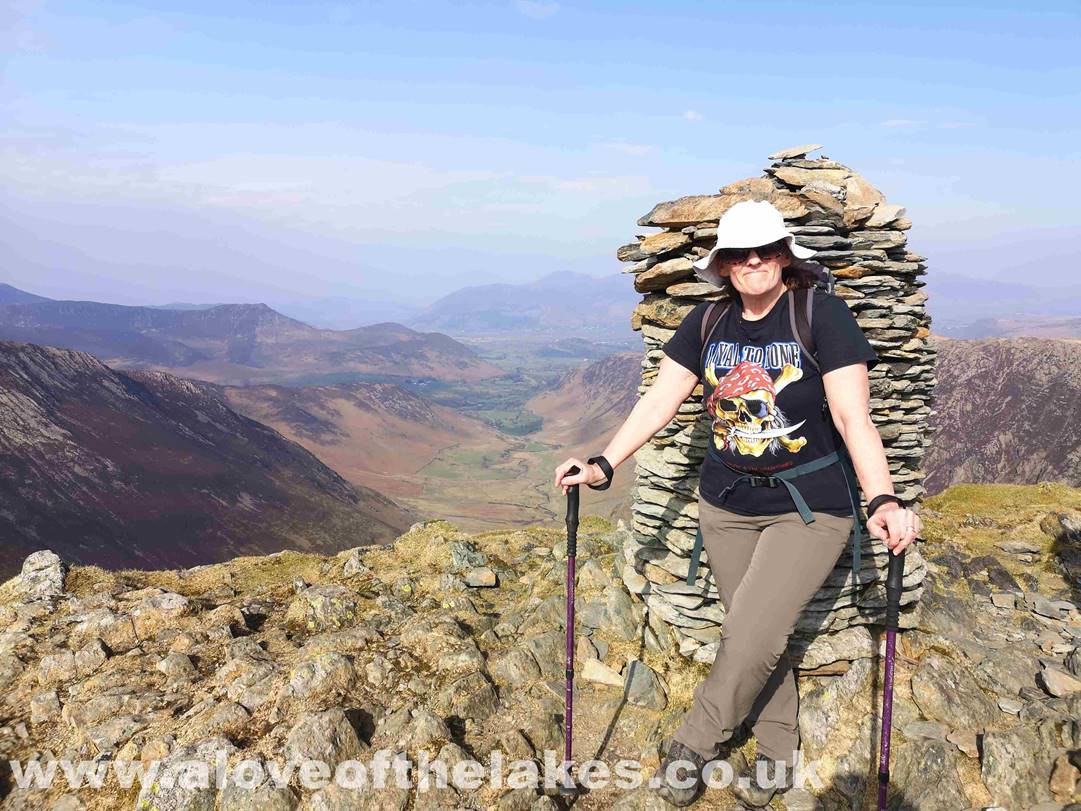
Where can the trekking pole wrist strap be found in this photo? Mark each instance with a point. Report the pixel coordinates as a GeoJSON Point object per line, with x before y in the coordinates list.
{"type": "Point", "coordinates": [603, 464]}
{"type": "Point", "coordinates": [879, 500]}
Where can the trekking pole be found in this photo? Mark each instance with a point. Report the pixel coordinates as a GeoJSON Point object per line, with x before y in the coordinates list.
{"type": "Point", "coordinates": [572, 550]}
{"type": "Point", "coordinates": [894, 575]}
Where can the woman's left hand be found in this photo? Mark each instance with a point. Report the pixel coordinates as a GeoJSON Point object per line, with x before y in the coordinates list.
{"type": "Point", "coordinates": [897, 526]}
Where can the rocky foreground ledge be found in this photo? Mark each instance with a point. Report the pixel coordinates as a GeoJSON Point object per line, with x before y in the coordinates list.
{"type": "Point", "coordinates": [453, 645]}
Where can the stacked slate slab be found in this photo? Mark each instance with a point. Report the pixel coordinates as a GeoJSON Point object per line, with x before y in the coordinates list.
{"type": "Point", "coordinates": [861, 237]}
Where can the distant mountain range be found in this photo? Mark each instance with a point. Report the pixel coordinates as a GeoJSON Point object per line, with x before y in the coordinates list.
{"type": "Point", "coordinates": [568, 304]}
{"type": "Point", "coordinates": [1034, 326]}
{"type": "Point", "coordinates": [329, 312]}
{"type": "Point", "coordinates": [235, 343]}
{"type": "Point", "coordinates": [147, 470]}
{"type": "Point", "coordinates": [573, 305]}
{"type": "Point", "coordinates": [351, 397]}
{"type": "Point", "coordinates": [559, 304]}
{"type": "Point", "coordinates": [965, 307]}
{"type": "Point", "coordinates": [340, 312]}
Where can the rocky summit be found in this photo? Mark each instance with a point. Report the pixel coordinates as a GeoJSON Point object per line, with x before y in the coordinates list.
{"type": "Point", "coordinates": [451, 647]}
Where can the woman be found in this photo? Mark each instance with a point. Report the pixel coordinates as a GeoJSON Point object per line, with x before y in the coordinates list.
{"type": "Point", "coordinates": [765, 398]}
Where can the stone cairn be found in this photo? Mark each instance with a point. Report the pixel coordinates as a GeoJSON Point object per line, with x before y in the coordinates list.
{"type": "Point", "coordinates": [861, 238]}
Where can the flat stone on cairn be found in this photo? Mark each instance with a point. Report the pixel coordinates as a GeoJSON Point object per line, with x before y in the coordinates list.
{"type": "Point", "coordinates": [861, 238]}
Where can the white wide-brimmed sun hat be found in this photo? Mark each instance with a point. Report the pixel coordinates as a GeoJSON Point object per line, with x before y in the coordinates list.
{"type": "Point", "coordinates": [748, 224]}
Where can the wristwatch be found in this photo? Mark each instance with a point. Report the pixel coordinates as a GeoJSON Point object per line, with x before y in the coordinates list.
{"type": "Point", "coordinates": [603, 464]}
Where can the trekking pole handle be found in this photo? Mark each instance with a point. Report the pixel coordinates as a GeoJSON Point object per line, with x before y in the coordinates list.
{"type": "Point", "coordinates": [572, 514]}
{"type": "Point", "coordinates": [894, 575]}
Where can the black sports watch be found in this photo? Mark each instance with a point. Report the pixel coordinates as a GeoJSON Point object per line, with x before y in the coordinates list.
{"type": "Point", "coordinates": [603, 464]}
{"type": "Point", "coordinates": [879, 500]}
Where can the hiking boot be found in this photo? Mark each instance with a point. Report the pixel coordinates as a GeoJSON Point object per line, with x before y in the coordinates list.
{"type": "Point", "coordinates": [690, 767]}
{"type": "Point", "coordinates": [757, 792]}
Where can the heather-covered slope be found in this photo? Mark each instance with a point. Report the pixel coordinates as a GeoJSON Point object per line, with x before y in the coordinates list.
{"type": "Point", "coordinates": [592, 401]}
{"type": "Point", "coordinates": [1007, 410]}
{"type": "Point", "coordinates": [149, 470]}
{"type": "Point", "coordinates": [583, 412]}
{"type": "Point", "coordinates": [374, 434]}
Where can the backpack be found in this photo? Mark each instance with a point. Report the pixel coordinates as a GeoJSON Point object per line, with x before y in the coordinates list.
{"type": "Point", "coordinates": [800, 314]}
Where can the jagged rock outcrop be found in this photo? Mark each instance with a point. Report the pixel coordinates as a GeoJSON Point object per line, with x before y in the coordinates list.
{"type": "Point", "coordinates": [861, 238]}
{"type": "Point", "coordinates": [258, 660]}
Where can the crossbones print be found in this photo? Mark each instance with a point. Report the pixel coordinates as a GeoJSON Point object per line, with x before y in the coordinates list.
{"type": "Point", "coordinates": [743, 405]}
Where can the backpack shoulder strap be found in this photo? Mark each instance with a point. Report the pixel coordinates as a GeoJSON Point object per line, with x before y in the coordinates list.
{"type": "Point", "coordinates": [710, 319]}
{"type": "Point", "coordinates": [706, 316]}
{"type": "Point", "coordinates": [800, 315]}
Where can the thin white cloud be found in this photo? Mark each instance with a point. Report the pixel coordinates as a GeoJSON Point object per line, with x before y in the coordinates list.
{"type": "Point", "coordinates": [351, 197]}
{"type": "Point", "coordinates": [912, 124]}
{"type": "Point", "coordinates": [636, 150]}
{"type": "Point", "coordinates": [340, 13]}
{"type": "Point", "coordinates": [596, 185]}
{"type": "Point", "coordinates": [536, 9]}
{"type": "Point", "coordinates": [693, 115]}
{"type": "Point", "coordinates": [17, 33]}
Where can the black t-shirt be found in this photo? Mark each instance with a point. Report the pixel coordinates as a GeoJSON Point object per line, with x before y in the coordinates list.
{"type": "Point", "coordinates": [767, 384]}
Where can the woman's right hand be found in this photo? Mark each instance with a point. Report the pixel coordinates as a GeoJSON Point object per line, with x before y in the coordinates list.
{"type": "Point", "coordinates": [588, 474]}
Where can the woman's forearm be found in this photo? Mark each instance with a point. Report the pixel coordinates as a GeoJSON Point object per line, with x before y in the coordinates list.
{"type": "Point", "coordinates": [868, 457]}
{"type": "Point", "coordinates": [646, 418]}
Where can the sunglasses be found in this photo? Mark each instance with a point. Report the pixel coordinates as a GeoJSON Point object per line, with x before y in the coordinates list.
{"type": "Point", "coordinates": [770, 251]}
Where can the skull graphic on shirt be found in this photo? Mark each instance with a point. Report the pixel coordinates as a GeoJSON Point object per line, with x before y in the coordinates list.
{"type": "Point", "coordinates": [743, 406]}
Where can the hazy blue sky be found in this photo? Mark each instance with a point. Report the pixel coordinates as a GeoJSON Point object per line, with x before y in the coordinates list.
{"type": "Point", "coordinates": [266, 151]}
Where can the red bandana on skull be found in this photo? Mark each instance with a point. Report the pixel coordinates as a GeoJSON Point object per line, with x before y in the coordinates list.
{"type": "Point", "coordinates": [744, 377]}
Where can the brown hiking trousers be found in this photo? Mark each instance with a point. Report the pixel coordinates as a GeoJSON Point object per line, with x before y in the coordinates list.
{"type": "Point", "coordinates": [767, 569]}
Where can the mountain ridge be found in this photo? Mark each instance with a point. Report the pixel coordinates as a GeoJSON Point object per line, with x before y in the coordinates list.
{"type": "Point", "coordinates": [238, 343]}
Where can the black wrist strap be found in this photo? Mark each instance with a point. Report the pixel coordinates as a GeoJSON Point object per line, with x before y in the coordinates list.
{"type": "Point", "coordinates": [879, 500]}
{"type": "Point", "coordinates": [602, 463]}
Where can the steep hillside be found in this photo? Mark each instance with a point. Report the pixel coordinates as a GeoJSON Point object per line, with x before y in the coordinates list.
{"type": "Point", "coordinates": [238, 343]}
{"type": "Point", "coordinates": [149, 470]}
{"type": "Point", "coordinates": [584, 411]}
{"type": "Point", "coordinates": [1008, 410]}
{"type": "Point", "coordinates": [592, 401]}
{"type": "Point", "coordinates": [375, 434]}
